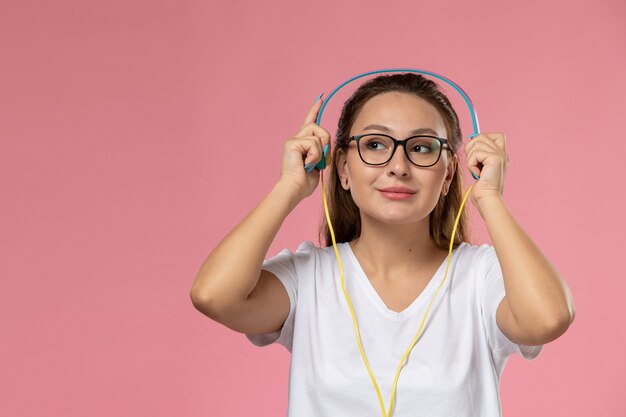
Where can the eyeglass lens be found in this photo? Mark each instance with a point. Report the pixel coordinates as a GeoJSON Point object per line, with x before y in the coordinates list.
{"type": "Point", "coordinates": [423, 151]}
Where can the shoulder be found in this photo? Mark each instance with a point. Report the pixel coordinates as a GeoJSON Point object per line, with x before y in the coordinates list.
{"type": "Point", "coordinates": [306, 258]}
{"type": "Point", "coordinates": [304, 247]}
{"type": "Point", "coordinates": [306, 251]}
{"type": "Point", "coordinates": [479, 262]}
{"type": "Point", "coordinates": [476, 255]}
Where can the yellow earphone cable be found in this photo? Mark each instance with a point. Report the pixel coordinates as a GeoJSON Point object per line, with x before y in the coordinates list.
{"type": "Point", "coordinates": [356, 327]}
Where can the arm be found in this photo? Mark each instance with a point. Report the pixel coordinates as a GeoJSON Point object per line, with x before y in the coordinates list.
{"type": "Point", "coordinates": [538, 306]}
{"type": "Point", "coordinates": [231, 271]}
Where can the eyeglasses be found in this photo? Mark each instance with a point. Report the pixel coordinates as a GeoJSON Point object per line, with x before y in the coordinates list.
{"type": "Point", "coordinates": [378, 149]}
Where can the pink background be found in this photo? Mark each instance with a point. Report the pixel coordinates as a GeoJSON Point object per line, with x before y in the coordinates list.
{"type": "Point", "coordinates": [136, 134]}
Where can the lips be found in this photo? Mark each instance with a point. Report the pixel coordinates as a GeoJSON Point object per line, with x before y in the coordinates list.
{"type": "Point", "coordinates": [400, 190]}
{"type": "Point", "coordinates": [397, 193]}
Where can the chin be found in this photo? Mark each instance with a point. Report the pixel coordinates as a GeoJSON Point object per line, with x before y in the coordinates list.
{"type": "Point", "coordinates": [399, 218]}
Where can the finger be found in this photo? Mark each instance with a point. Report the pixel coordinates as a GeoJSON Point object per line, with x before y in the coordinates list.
{"type": "Point", "coordinates": [496, 137]}
{"type": "Point", "coordinates": [311, 116]}
{"type": "Point", "coordinates": [309, 147]}
{"type": "Point", "coordinates": [488, 146]}
{"type": "Point", "coordinates": [482, 157]}
{"type": "Point", "coordinates": [316, 156]}
{"type": "Point", "coordinates": [314, 153]}
{"type": "Point", "coordinates": [500, 140]}
{"type": "Point", "coordinates": [324, 139]}
{"type": "Point", "coordinates": [483, 143]}
{"type": "Point", "coordinates": [476, 160]}
{"type": "Point", "coordinates": [313, 129]}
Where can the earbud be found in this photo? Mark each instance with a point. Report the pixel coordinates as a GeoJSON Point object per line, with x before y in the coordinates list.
{"type": "Point", "coordinates": [325, 161]}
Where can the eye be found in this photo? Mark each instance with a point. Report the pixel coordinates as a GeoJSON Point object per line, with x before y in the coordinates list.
{"type": "Point", "coordinates": [423, 145]}
{"type": "Point", "coordinates": [375, 143]}
{"type": "Point", "coordinates": [421, 148]}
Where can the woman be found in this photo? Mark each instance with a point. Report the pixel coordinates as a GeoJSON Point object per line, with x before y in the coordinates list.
{"type": "Point", "coordinates": [392, 206]}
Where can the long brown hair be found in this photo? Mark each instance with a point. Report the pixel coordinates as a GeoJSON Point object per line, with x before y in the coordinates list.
{"type": "Point", "coordinates": [344, 213]}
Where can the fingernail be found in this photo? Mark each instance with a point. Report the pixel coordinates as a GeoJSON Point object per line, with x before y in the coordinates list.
{"type": "Point", "coordinates": [318, 97]}
{"type": "Point", "coordinates": [309, 167]}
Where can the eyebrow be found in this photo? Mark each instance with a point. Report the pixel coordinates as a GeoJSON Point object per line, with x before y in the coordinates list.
{"type": "Point", "coordinates": [412, 132]}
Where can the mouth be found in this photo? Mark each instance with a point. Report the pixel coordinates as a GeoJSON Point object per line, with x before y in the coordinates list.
{"type": "Point", "coordinates": [397, 193]}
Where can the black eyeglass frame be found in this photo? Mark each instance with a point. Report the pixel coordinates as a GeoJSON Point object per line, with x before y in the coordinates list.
{"type": "Point", "coordinates": [397, 142]}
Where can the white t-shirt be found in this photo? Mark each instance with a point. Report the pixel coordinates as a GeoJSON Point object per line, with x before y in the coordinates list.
{"type": "Point", "coordinates": [454, 368]}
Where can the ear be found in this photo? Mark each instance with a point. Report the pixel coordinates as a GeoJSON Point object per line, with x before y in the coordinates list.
{"type": "Point", "coordinates": [450, 171]}
{"type": "Point", "coordinates": [342, 169]}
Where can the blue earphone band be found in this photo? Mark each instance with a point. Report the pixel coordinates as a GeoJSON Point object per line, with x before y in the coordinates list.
{"type": "Point", "coordinates": [322, 163]}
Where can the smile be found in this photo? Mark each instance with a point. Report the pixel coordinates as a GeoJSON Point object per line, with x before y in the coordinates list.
{"type": "Point", "coordinates": [397, 193]}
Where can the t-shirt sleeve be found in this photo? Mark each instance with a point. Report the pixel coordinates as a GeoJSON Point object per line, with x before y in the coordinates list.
{"type": "Point", "coordinates": [491, 293]}
{"type": "Point", "coordinates": [285, 267]}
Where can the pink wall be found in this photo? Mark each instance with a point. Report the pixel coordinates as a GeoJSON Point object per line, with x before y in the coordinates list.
{"type": "Point", "coordinates": [136, 134]}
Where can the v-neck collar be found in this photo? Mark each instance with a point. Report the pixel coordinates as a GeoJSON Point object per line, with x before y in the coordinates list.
{"type": "Point", "coordinates": [422, 299]}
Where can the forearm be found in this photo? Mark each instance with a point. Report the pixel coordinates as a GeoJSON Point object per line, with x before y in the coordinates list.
{"type": "Point", "coordinates": [231, 271]}
{"type": "Point", "coordinates": [537, 295]}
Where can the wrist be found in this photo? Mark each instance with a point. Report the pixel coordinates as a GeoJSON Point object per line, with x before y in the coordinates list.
{"type": "Point", "coordinates": [286, 190]}
{"type": "Point", "coordinates": [489, 201]}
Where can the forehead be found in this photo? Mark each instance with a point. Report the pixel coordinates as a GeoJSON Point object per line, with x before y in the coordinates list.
{"type": "Point", "coordinates": [401, 112]}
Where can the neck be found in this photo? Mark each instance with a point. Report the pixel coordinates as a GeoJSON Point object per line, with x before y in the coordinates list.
{"type": "Point", "coordinates": [394, 251]}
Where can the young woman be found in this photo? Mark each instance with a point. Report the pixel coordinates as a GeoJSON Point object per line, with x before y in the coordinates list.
{"type": "Point", "coordinates": [394, 192]}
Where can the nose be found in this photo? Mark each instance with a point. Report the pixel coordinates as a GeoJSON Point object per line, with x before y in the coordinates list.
{"type": "Point", "coordinates": [399, 163]}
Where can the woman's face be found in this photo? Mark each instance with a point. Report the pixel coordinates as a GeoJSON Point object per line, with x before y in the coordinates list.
{"type": "Point", "coordinates": [400, 113]}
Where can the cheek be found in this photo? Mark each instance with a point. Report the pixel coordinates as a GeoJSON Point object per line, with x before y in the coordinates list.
{"type": "Point", "coordinates": [360, 180]}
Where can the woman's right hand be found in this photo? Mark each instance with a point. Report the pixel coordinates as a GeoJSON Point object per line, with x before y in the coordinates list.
{"type": "Point", "coordinates": [306, 147]}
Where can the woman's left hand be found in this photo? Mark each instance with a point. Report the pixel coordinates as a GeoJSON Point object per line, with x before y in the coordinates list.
{"type": "Point", "coordinates": [488, 150]}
